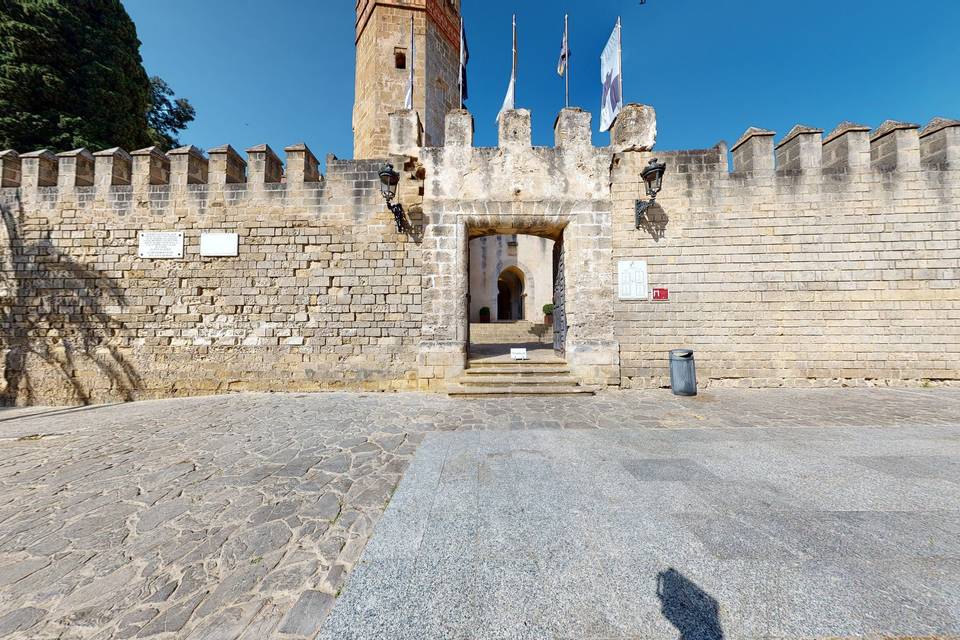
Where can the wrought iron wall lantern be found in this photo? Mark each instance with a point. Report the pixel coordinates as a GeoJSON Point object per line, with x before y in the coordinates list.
{"type": "Point", "coordinates": [389, 179]}
{"type": "Point", "coordinates": [652, 176]}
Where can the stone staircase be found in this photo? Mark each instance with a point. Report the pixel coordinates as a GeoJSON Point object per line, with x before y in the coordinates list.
{"type": "Point", "coordinates": [492, 374]}
{"type": "Point", "coordinates": [496, 379]}
{"type": "Point", "coordinates": [519, 332]}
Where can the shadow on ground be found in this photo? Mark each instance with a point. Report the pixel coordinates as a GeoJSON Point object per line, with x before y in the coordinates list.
{"type": "Point", "coordinates": [690, 609]}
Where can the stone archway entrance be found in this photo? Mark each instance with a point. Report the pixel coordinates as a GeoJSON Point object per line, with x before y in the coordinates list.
{"type": "Point", "coordinates": [584, 230]}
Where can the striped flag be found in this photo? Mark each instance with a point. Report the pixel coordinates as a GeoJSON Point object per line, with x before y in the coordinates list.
{"type": "Point", "coordinates": [564, 50]}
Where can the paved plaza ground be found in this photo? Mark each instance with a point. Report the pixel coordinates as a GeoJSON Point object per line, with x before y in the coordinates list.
{"type": "Point", "coordinates": [739, 513]}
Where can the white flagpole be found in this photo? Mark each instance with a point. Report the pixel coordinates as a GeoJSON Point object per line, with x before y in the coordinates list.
{"type": "Point", "coordinates": [620, 53]}
{"type": "Point", "coordinates": [566, 40]}
{"type": "Point", "coordinates": [514, 61]}
{"type": "Point", "coordinates": [510, 100]}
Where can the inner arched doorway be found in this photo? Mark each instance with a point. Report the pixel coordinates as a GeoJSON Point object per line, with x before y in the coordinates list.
{"type": "Point", "coordinates": [511, 295]}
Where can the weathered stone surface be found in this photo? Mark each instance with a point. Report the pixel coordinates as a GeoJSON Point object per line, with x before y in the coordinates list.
{"type": "Point", "coordinates": [635, 129]}
{"type": "Point", "coordinates": [20, 620]}
{"type": "Point", "coordinates": [306, 616]}
{"type": "Point", "coordinates": [73, 559]}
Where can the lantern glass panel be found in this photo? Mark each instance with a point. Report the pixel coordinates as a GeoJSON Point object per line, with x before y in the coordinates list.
{"type": "Point", "coordinates": [388, 182]}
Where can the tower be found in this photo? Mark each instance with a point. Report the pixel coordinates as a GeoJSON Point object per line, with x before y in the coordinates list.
{"type": "Point", "coordinates": [383, 59]}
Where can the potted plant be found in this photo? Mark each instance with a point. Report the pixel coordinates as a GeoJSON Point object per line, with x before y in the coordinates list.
{"type": "Point", "coordinates": [548, 314]}
{"type": "Point", "coordinates": [484, 315]}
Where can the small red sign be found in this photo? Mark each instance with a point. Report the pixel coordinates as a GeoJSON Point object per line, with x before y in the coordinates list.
{"type": "Point", "coordinates": [661, 294]}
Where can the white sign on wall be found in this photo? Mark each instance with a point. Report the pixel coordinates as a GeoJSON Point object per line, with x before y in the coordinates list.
{"type": "Point", "coordinates": [160, 244]}
{"type": "Point", "coordinates": [633, 281]}
{"type": "Point", "coordinates": [219, 244]}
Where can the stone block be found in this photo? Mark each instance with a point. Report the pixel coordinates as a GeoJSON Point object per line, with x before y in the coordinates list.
{"type": "Point", "coordinates": [847, 147]}
{"type": "Point", "coordinates": [302, 165]}
{"type": "Point", "coordinates": [113, 167]}
{"type": "Point", "coordinates": [76, 168]}
{"type": "Point", "coordinates": [458, 129]}
{"type": "Point", "coordinates": [753, 152]}
{"type": "Point", "coordinates": [40, 169]}
{"type": "Point", "coordinates": [895, 145]}
{"type": "Point", "coordinates": [10, 168]}
{"type": "Point", "coordinates": [635, 129]}
{"type": "Point", "coordinates": [226, 166]}
{"type": "Point", "coordinates": [188, 165]}
{"type": "Point", "coordinates": [263, 165]}
{"type": "Point", "coordinates": [800, 150]}
{"type": "Point", "coordinates": [514, 129]}
{"type": "Point", "coordinates": [406, 133]}
{"type": "Point", "coordinates": [572, 128]}
{"type": "Point", "coordinates": [940, 143]}
{"type": "Point", "coordinates": [150, 167]}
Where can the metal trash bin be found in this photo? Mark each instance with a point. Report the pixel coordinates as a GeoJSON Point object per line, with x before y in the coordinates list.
{"type": "Point", "coordinates": [683, 373]}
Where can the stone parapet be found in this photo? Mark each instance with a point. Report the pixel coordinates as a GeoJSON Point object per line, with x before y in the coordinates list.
{"type": "Point", "coordinates": [225, 166]}
{"type": "Point", "coordinates": [753, 152]}
{"type": "Point", "coordinates": [75, 169]}
{"type": "Point", "coordinates": [112, 167]}
{"type": "Point", "coordinates": [895, 145]}
{"type": "Point", "coordinates": [940, 143]}
{"type": "Point", "coordinates": [10, 168]}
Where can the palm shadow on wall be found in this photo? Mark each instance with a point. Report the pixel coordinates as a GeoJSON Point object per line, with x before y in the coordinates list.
{"type": "Point", "coordinates": [693, 611]}
{"type": "Point", "coordinates": [55, 309]}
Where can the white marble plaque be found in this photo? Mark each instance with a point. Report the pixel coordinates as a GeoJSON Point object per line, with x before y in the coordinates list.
{"type": "Point", "coordinates": [519, 354]}
{"type": "Point", "coordinates": [219, 244]}
{"type": "Point", "coordinates": [160, 244]}
{"type": "Point", "coordinates": [633, 280]}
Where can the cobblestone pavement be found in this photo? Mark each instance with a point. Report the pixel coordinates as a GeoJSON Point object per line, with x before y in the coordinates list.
{"type": "Point", "coordinates": [241, 516]}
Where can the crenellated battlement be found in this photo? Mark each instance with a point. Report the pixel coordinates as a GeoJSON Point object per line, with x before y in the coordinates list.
{"type": "Point", "coordinates": [850, 148]}
{"type": "Point", "coordinates": [186, 165]}
{"type": "Point", "coordinates": [117, 180]}
{"type": "Point", "coordinates": [513, 170]}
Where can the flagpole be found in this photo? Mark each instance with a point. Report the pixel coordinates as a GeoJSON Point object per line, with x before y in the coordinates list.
{"type": "Point", "coordinates": [623, 100]}
{"type": "Point", "coordinates": [514, 61]}
{"type": "Point", "coordinates": [566, 39]}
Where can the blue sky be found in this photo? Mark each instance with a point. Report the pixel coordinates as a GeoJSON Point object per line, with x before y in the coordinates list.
{"type": "Point", "coordinates": [281, 72]}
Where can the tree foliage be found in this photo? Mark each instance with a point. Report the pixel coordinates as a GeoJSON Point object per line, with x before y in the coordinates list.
{"type": "Point", "coordinates": [168, 115]}
{"type": "Point", "coordinates": [71, 76]}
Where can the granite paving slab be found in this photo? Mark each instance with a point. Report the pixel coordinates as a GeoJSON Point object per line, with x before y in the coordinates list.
{"type": "Point", "coordinates": [243, 516]}
{"type": "Point", "coordinates": [665, 533]}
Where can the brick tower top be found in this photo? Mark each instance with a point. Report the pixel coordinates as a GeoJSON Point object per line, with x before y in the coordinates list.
{"type": "Point", "coordinates": [383, 59]}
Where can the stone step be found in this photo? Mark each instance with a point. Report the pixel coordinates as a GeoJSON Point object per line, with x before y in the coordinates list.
{"type": "Point", "coordinates": [494, 369]}
{"type": "Point", "coordinates": [520, 332]}
{"type": "Point", "coordinates": [550, 380]}
{"type": "Point", "coordinates": [519, 390]}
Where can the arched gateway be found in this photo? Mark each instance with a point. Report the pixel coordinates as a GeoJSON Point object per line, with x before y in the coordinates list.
{"type": "Point", "coordinates": [517, 189]}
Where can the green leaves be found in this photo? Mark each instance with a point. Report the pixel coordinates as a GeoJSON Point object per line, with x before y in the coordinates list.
{"type": "Point", "coordinates": [71, 76]}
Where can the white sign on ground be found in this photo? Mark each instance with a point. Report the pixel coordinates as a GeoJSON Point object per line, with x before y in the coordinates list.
{"type": "Point", "coordinates": [519, 354]}
{"type": "Point", "coordinates": [219, 244]}
{"type": "Point", "coordinates": [633, 281]}
{"type": "Point", "coordinates": [160, 244]}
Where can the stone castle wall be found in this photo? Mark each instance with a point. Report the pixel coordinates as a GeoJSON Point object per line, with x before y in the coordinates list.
{"type": "Point", "coordinates": [812, 262]}
{"type": "Point", "coordinates": [823, 260]}
{"type": "Point", "coordinates": [323, 294]}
